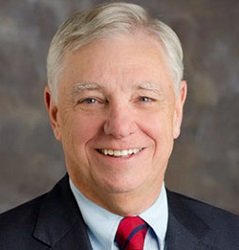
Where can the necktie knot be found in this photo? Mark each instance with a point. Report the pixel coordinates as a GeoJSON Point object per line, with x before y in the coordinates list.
{"type": "Point", "coordinates": [131, 233]}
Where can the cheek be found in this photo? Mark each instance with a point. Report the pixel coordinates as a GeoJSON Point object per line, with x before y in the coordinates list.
{"type": "Point", "coordinates": [84, 130]}
{"type": "Point", "coordinates": [159, 127]}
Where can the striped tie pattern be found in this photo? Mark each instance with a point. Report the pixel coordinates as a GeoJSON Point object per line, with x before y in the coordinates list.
{"type": "Point", "coordinates": [131, 233]}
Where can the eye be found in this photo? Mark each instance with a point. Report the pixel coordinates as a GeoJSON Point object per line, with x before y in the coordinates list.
{"type": "Point", "coordinates": [145, 99]}
{"type": "Point", "coordinates": [89, 103]}
{"type": "Point", "coordinates": [88, 100]}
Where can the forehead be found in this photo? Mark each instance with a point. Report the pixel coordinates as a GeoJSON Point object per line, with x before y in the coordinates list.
{"type": "Point", "coordinates": [124, 59]}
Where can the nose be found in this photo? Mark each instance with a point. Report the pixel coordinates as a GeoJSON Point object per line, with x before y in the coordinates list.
{"type": "Point", "coordinates": [119, 122]}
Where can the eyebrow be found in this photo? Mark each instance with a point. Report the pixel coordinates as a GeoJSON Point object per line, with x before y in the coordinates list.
{"type": "Point", "coordinates": [82, 86]}
{"type": "Point", "coordinates": [150, 86]}
{"type": "Point", "coordinates": [85, 86]}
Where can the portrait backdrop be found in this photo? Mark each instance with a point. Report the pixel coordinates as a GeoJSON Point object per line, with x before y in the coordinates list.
{"type": "Point", "coordinates": [205, 161]}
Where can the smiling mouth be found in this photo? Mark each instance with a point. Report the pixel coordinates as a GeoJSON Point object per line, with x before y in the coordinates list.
{"type": "Point", "coordinates": [120, 153]}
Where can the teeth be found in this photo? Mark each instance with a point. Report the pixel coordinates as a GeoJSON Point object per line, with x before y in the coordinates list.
{"type": "Point", "coordinates": [119, 153]}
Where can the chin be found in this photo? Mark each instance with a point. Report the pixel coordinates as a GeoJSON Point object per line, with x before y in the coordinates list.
{"type": "Point", "coordinates": [118, 186]}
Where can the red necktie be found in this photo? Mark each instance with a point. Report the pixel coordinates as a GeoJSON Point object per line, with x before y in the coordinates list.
{"type": "Point", "coordinates": [131, 233]}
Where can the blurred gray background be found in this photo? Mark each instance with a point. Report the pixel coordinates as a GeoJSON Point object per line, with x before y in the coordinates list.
{"type": "Point", "coordinates": [205, 163]}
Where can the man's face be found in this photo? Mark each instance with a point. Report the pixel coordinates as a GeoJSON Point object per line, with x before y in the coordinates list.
{"type": "Point", "coordinates": [117, 117]}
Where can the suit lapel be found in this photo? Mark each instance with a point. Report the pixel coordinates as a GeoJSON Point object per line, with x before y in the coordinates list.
{"type": "Point", "coordinates": [185, 229]}
{"type": "Point", "coordinates": [60, 224]}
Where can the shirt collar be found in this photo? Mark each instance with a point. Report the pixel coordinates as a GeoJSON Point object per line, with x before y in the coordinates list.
{"type": "Point", "coordinates": [98, 218]}
{"type": "Point", "coordinates": [157, 215]}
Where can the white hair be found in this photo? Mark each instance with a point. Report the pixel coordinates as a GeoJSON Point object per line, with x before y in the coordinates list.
{"type": "Point", "coordinates": [103, 21]}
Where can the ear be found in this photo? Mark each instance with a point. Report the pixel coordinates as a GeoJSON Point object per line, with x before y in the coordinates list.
{"type": "Point", "coordinates": [178, 115]}
{"type": "Point", "coordinates": [52, 110]}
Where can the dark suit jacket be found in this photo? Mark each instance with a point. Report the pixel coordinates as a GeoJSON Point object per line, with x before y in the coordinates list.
{"type": "Point", "coordinates": [53, 221]}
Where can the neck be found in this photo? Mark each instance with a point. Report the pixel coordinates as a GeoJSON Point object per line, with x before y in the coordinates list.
{"type": "Point", "coordinates": [129, 204]}
{"type": "Point", "coordinates": [124, 203]}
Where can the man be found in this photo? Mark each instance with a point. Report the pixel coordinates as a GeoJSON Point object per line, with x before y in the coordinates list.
{"type": "Point", "coordinates": [115, 99]}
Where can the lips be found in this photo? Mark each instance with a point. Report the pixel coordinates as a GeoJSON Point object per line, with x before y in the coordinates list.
{"type": "Point", "coordinates": [120, 153]}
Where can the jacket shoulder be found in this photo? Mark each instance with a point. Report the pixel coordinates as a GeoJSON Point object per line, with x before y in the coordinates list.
{"type": "Point", "coordinates": [202, 209]}
{"type": "Point", "coordinates": [213, 225]}
{"type": "Point", "coordinates": [22, 213]}
{"type": "Point", "coordinates": [16, 225]}
{"type": "Point", "coordinates": [52, 220]}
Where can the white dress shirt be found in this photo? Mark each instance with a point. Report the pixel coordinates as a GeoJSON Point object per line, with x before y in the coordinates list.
{"type": "Point", "coordinates": [102, 224]}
